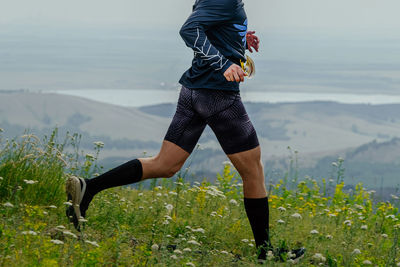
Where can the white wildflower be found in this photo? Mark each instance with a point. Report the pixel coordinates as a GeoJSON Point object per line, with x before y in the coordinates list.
{"type": "Point", "coordinates": [167, 217]}
{"type": "Point", "coordinates": [140, 194]}
{"type": "Point", "coordinates": [1, 178]}
{"type": "Point", "coordinates": [81, 219]}
{"type": "Point", "coordinates": [177, 251]}
{"type": "Point", "coordinates": [159, 194]}
{"type": "Point", "coordinates": [90, 156]}
{"type": "Point", "coordinates": [270, 255]}
{"type": "Point", "coordinates": [281, 221]}
{"type": "Point", "coordinates": [93, 243]}
{"type": "Point", "coordinates": [154, 247]}
{"type": "Point", "coordinates": [173, 193]}
{"type": "Point", "coordinates": [233, 202]}
{"type": "Point", "coordinates": [281, 209]}
{"type": "Point", "coordinates": [68, 203]}
{"type": "Point", "coordinates": [166, 222]}
{"type": "Point", "coordinates": [338, 210]}
{"type": "Point", "coordinates": [70, 234]}
{"type": "Point", "coordinates": [52, 207]}
{"type": "Point", "coordinates": [224, 252]}
{"type": "Point", "coordinates": [29, 233]}
{"type": "Point", "coordinates": [367, 262]}
{"type": "Point", "coordinates": [201, 230]}
{"type": "Point", "coordinates": [213, 191]}
{"type": "Point", "coordinates": [227, 163]}
{"type": "Point", "coordinates": [214, 213]}
{"type": "Point", "coordinates": [313, 232]}
{"type": "Point", "coordinates": [30, 181]}
{"type": "Point", "coordinates": [357, 206]}
{"type": "Point", "coordinates": [8, 204]}
{"type": "Point", "coordinates": [332, 215]}
{"type": "Point", "coordinates": [245, 240]}
{"type": "Point", "coordinates": [347, 222]}
{"type": "Point", "coordinates": [384, 235]}
{"type": "Point", "coordinates": [296, 215]}
{"type": "Point", "coordinates": [194, 242]}
{"type": "Point", "coordinates": [391, 216]}
{"type": "Point", "coordinates": [98, 144]}
{"type": "Point", "coordinates": [45, 213]}
{"type": "Point", "coordinates": [364, 227]}
{"type": "Point", "coordinates": [174, 257]}
{"type": "Point", "coordinates": [60, 226]}
{"type": "Point", "coordinates": [361, 218]}
{"type": "Point", "coordinates": [329, 236]}
{"type": "Point", "coordinates": [318, 257]}
{"type": "Point", "coordinates": [356, 252]}
{"type": "Point", "coordinates": [169, 207]}
{"type": "Point", "coordinates": [251, 245]}
{"type": "Point", "coordinates": [56, 241]}
{"type": "Point", "coordinates": [187, 250]}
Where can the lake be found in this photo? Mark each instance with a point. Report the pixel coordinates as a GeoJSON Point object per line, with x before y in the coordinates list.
{"type": "Point", "coordinates": [144, 97]}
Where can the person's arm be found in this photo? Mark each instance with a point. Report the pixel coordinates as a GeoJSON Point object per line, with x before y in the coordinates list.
{"type": "Point", "coordinates": [208, 13]}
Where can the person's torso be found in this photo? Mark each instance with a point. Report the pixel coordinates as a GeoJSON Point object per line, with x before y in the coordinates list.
{"type": "Point", "coordinates": [229, 38]}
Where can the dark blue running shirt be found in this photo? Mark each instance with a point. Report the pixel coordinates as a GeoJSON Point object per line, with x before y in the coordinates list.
{"type": "Point", "coordinates": [216, 31]}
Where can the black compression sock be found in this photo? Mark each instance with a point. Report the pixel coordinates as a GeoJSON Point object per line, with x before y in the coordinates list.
{"type": "Point", "coordinates": [127, 173]}
{"type": "Point", "coordinates": [258, 214]}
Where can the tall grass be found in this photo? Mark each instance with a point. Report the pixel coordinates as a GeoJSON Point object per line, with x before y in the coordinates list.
{"type": "Point", "coordinates": [178, 224]}
{"type": "Point", "coordinates": [34, 171]}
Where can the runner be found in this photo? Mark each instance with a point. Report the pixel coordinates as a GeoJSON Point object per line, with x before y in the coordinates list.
{"type": "Point", "coordinates": [217, 32]}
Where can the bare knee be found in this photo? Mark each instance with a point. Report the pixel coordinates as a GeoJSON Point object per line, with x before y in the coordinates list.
{"type": "Point", "coordinates": [166, 168]}
{"type": "Point", "coordinates": [166, 163]}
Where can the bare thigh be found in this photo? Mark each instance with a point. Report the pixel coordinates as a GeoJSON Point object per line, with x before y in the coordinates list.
{"type": "Point", "coordinates": [166, 163]}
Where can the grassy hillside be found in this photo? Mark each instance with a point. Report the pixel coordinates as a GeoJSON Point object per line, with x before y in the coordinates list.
{"type": "Point", "coordinates": [177, 224]}
{"type": "Point", "coordinates": [39, 110]}
{"type": "Point", "coordinates": [315, 129]}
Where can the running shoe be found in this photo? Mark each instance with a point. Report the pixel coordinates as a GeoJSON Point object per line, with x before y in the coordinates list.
{"type": "Point", "coordinates": [80, 198]}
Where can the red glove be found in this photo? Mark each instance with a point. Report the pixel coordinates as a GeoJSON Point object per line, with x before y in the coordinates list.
{"type": "Point", "coordinates": [252, 41]}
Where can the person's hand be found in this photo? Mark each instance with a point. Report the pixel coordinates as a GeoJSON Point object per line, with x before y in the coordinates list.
{"type": "Point", "coordinates": [234, 73]}
{"type": "Point", "coordinates": [252, 41]}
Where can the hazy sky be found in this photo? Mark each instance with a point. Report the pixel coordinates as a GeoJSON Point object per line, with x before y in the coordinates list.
{"type": "Point", "coordinates": [333, 15]}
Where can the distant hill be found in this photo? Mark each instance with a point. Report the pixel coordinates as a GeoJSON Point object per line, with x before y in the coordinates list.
{"type": "Point", "coordinates": [386, 152]}
{"type": "Point", "coordinates": [320, 131]}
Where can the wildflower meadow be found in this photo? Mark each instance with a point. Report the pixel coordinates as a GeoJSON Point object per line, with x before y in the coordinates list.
{"type": "Point", "coordinates": [174, 222]}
